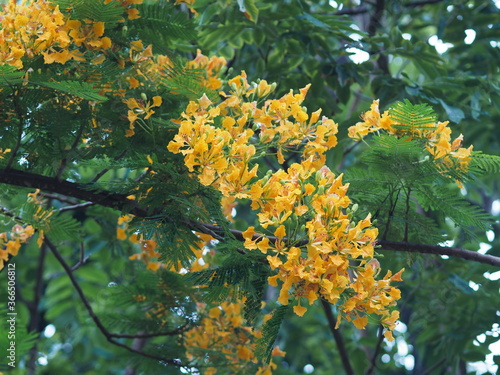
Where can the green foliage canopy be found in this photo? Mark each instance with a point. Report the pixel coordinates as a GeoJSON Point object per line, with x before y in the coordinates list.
{"type": "Point", "coordinates": [88, 112]}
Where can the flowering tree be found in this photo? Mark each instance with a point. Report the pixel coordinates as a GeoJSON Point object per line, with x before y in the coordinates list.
{"type": "Point", "coordinates": [183, 211]}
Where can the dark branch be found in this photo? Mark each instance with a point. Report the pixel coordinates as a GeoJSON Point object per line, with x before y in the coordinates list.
{"type": "Point", "coordinates": [344, 355]}
{"type": "Point", "coordinates": [109, 336]}
{"type": "Point", "coordinates": [364, 9]}
{"type": "Point", "coordinates": [71, 189]}
{"type": "Point", "coordinates": [414, 4]}
{"type": "Point", "coordinates": [60, 198]}
{"type": "Point", "coordinates": [76, 206]}
{"type": "Point", "coordinates": [352, 11]}
{"type": "Point", "coordinates": [19, 111]}
{"type": "Point", "coordinates": [105, 170]}
{"type": "Point", "coordinates": [376, 352]}
{"type": "Point", "coordinates": [385, 245]}
{"type": "Point", "coordinates": [440, 250]}
{"type": "Point", "coordinates": [122, 203]}
{"type": "Point", "coordinates": [174, 332]}
{"type": "Point", "coordinates": [434, 366]}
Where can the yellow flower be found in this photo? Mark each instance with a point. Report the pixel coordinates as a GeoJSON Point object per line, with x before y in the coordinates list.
{"type": "Point", "coordinates": [299, 310]}
{"type": "Point", "coordinates": [360, 322]}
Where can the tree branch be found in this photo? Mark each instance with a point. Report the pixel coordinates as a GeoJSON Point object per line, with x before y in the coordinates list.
{"type": "Point", "coordinates": [76, 206]}
{"type": "Point", "coordinates": [434, 366]}
{"type": "Point", "coordinates": [105, 170]}
{"type": "Point", "coordinates": [109, 336]}
{"type": "Point", "coordinates": [352, 11]}
{"type": "Point", "coordinates": [34, 308]}
{"type": "Point", "coordinates": [414, 4]}
{"type": "Point", "coordinates": [376, 352]}
{"type": "Point", "coordinates": [344, 356]}
{"type": "Point", "coordinates": [385, 245]}
{"type": "Point", "coordinates": [74, 190]}
{"type": "Point", "coordinates": [364, 9]}
{"type": "Point", "coordinates": [440, 250]}
{"type": "Point", "coordinates": [76, 141]}
{"type": "Point", "coordinates": [122, 203]}
{"type": "Point", "coordinates": [19, 112]}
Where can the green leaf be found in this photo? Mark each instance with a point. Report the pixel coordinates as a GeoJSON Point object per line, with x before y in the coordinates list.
{"type": "Point", "coordinates": [95, 10]}
{"type": "Point", "coordinates": [496, 359]}
{"type": "Point", "coordinates": [160, 25]}
{"type": "Point", "coordinates": [460, 284]}
{"type": "Point", "coordinates": [454, 114]}
{"type": "Point", "coordinates": [412, 116]}
{"type": "Point", "coordinates": [473, 356]}
{"type": "Point", "coordinates": [270, 331]}
{"type": "Point", "coordinates": [10, 75]}
{"type": "Point", "coordinates": [314, 21]}
{"type": "Point", "coordinates": [484, 164]}
{"type": "Point", "coordinates": [76, 88]}
{"type": "Point", "coordinates": [252, 11]}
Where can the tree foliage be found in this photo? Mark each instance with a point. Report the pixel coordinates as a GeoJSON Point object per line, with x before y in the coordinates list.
{"type": "Point", "coordinates": [221, 187]}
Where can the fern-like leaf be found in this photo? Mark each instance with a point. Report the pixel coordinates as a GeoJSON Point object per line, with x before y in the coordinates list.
{"type": "Point", "coordinates": [24, 340]}
{"type": "Point", "coordinates": [95, 10]}
{"type": "Point", "coordinates": [270, 331]}
{"type": "Point", "coordinates": [76, 88]}
{"type": "Point", "coordinates": [10, 75]}
{"type": "Point", "coordinates": [470, 218]}
{"type": "Point", "coordinates": [187, 82]}
{"type": "Point", "coordinates": [58, 226]}
{"type": "Point", "coordinates": [161, 24]}
{"type": "Point", "coordinates": [235, 271]}
{"type": "Point", "coordinates": [482, 164]}
{"type": "Point", "coordinates": [412, 116]}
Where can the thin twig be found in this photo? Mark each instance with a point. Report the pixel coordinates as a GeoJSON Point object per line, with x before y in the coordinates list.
{"type": "Point", "coordinates": [376, 352]}
{"type": "Point", "coordinates": [391, 213]}
{"type": "Point", "coordinates": [109, 336]}
{"type": "Point", "coordinates": [440, 250]}
{"type": "Point", "coordinates": [34, 312]}
{"type": "Point", "coordinates": [105, 170]}
{"type": "Point", "coordinates": [59, 198]}
{"type": "Point", "coordinates": [174, 332]}
{"type": "Point", "coordinates": [407, 215]}
{"type": "Point", "coordinates": [20, 116]}
{"type": "Point", "coordinates": [364, 9]}
{"type": "Point", "coordinates": [352, 11]}
{"type": "Point", "coordinates": [413, 4]}
{"type": "Point", "coordinates": [83, 259]}
{"type": "Point", "coordinates": [7, 213]}
{"type": "Point", "coordinates": [434, 366]}
{"type": "Point", "coordinates": [344, 355]}
{"type": "Point", "coordinates": [76, 206]}
{"type": "Point", "coordinates": [76, 141]}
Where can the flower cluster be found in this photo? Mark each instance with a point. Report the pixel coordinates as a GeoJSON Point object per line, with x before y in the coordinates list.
{"type": "Point", "coordinates": [148, 247]}
{"type": "Point", "coordinates": [140, 110]}
{"type": "Point", "coordinates": [447, 154]}
{"type": "Point", "coordinates": [11, 242]}
{"type": "Point", "coordinates": [216, 139]}
{"type": "Point", "coordinates": [317, 250]}
{"type": "Point", "coordinates": [149, 69]}
{"type": "Point", "coordinates": [212, 66]}
{"type": "Point", "coordinates": [223, 330]}
{"type": "Point", "coordinates": [39, 28]}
